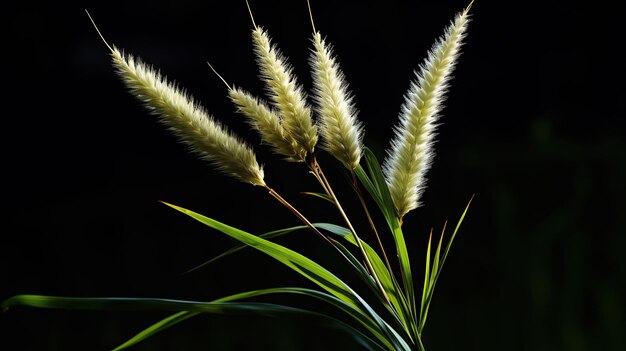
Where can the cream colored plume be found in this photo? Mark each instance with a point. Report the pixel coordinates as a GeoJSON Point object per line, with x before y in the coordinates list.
{"type": "Point", "coordinates": [286, 95]}
{"type": "Point", "coordinates": [412, 147]}
{"type": "Point", "coordinates": [268, 123]}
{"type": "Point", "coordinates": [340, 129]}
{"type": "Point", "coordinates": [189, 121]}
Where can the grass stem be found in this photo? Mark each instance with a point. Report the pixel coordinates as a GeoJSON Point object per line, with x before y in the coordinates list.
{"type": "Point", "coordinates": [316, 169]}
{"type": "Point", "coordinates": [297, 213]}
{"type": "Point", "coordinates": [357, 189]}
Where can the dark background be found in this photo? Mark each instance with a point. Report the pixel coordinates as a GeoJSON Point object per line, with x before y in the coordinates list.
{"type": "Point", "coordinates": [533, 125]}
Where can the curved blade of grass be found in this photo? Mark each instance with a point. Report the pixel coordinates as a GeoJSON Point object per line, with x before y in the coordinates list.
{"type": "Point", "coordinates": [394, 292]}
{"type": "Point", "coordinates": [266, 236]}
{"type": "Point", "coordinates": [429, 277]}
{"type": "Point", "coordinates": [301, 264]}
{"type": "Point", "coordinates": [269, 235]}
{"type": "Point", "coordinates": [375, 184]}
{"type": "Point", "coordinates": [266, 309]}
{"type": "Point", "coordinates": [357, 315]}
{"type": "Point", "coordinates": [376, 329]}
{"type": "Point", "coordinates": [370, 282]}
{"type": "Point", "coordinates": [158, 327]}
{"type": "Point", "coordinates": [366, 276]}
{"type": "Point", "coordinates": [436, 260]}
{"type": "Point", "coordinates": [438, 267]}
{"type": "Point", "coordinates": [288, 257]}
{"type": "Point", "coordinates": [427, 281]}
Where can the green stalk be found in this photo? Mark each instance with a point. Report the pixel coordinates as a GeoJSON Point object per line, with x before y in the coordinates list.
{"type": "Point", "coordinates": [316, 168]}
{"type": "Point", "coordinates": [357, 189]}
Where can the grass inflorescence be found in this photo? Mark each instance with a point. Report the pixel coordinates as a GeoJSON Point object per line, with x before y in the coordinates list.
{"type": "Point", "coordinates": [395, 318]}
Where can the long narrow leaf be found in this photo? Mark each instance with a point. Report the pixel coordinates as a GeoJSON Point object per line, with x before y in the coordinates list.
{"type": "Point", "coordinates": [427, 280]}
{"type": "Point", "coordinates": [290, 258]}
{"type": "Point", "coordinates": [266, 309]}
{"type": "Point", "coordinates": [301, 264]}
{"type": "Point", "coordinates": [357, 314]}
{"type": "Point", "coordinates": [436, 260]}
{"type": "Point", "coordinates": [391, 288]}
{"type": "Point", "coordinates": [370, 282]}
{"type": "Point", "coordinates": [335, 229]}
{"type": "Point", "coordinates": [157, 327]}
{"type": "Point", "coordinates": [456, 229]}
{"type": "Point", "coordinates": [377, 187]}
{"type": "Point", "coordinates": [436, 273]}
{"type": "Point", "coordinates": [269, 235]}
{"type": "Point", "coordinates": [371, 189]}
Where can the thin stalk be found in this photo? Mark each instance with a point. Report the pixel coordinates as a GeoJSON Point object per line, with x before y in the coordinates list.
{"type": "Point", "coordinates": [357, 189]}
{"type": "Point", "coordinates": [319, 179]}
{"type": "Point", "coordinates": [305, 220]}
{"type": "Point", "coordinates": [315, 167]}
{"type": "Point", "coordinates": [298, 214]}
{"type": "Point", "coordinates": [420, 345]}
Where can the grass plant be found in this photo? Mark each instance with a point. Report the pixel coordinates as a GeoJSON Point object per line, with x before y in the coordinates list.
{"type": "Point", "coordinates": [395, 318]}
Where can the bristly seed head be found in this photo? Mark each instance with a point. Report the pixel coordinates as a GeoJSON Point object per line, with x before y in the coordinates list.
{"type": "Point", "coordinates": [286, 95]}
{"type": "Point", "coordinates": [187, 120]}
{"type": "Point", "coordinates": [342, 133]}
{"type": "Point", "coordinates": [412, 147]}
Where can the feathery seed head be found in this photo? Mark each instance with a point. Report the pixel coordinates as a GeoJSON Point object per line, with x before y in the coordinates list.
{"type": "Point", "coordinates": [286, 95]}
{"type": "Point", "coordinates": [268, 123]}
{"type": "Point", "coordinates": [187, 120]}
{"type": "Point", "coordinates": [341, 131]}
{"type": "Point", "coordinates": [411, 150]}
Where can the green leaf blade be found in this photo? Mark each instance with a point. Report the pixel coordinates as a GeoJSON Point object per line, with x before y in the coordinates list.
{"type": "Point", "coordinates": [290, 258]}
{"type": "Point", "coordinates": [161, 325]}
{"type": "Point", "coordinates": [267, 236]}
{"type": "Point", "coordinates": [214, 307]}
{"type": "Point", "coordinates": [436, 272]}
{"type": "Point", "coordinates": [377, 187]}
{"type": "Point", "coordinates": [189, 309]}
{"type": "Point", "coordinates": [394, 292]}
{"type": "Point", "coordinates": [301, 264]}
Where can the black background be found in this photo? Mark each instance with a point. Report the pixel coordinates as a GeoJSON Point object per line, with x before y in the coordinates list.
{"type": "Point", "coordinates": [533, 125]}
